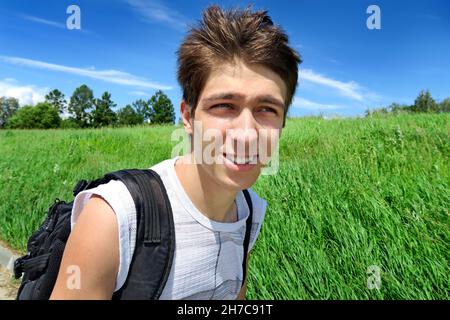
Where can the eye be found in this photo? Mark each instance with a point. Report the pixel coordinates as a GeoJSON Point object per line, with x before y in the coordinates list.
{"type": "Point", "coordinates": [268, 109]}
{"type": "Point", "coordinates": [224, 106]}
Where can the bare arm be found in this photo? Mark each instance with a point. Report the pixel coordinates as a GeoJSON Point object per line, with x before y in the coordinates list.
{"type": "Point", "coordinates": [91, 258]}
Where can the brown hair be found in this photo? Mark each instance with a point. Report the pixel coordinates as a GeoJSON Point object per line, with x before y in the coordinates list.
{"type": "Point", "coordinates": [223, 36]}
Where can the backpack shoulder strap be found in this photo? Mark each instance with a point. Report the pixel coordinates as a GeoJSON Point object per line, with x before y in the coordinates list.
{"type": "Point", "coordinates": [247, 233]}
{"type": "Point", "coordinates": [155, 236]}
{"type": "Point", "coordinates": [150, 198]}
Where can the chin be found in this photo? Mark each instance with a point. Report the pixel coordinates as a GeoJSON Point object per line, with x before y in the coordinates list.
{"type": "Point", "coordinates": [240, 181]}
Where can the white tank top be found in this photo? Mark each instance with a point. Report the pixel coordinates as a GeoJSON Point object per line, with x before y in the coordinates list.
{"type": "Point", "coordinates": [208, 254]}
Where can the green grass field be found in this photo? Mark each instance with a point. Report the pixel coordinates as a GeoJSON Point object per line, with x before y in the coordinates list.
{"type": "Point", "coordinates": [350, 194]}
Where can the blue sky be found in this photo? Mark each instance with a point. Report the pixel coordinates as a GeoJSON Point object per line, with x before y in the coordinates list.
{"type": "Point", "coordinates": [128, 47]}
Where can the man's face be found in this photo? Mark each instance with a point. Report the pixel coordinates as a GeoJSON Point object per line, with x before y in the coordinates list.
{"type": "Point", "coordinates": [239, 113]}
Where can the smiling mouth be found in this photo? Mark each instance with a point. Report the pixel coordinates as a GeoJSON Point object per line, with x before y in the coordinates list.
{"type": "Point", "coordinates": [241, 160]}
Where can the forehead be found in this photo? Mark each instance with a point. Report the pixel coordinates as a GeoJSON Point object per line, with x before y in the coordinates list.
{"type": "Point", "coordinates": [248, 80]}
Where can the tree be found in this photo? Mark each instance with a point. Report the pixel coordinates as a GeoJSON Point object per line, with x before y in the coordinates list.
{"type": "Point", "coordinates": [41, 116]}
{"type": "Point", "coordinates": [425, 103]}
{"type": "Point", "coordinates": [69, 123]}
{"type": "Point", "coordinates": [8, 107]}
{"type": "Point", "coordinates": [46, 115]}
{"type": "Point", "coordinates": [56, 99]}
{"type": "Point", "coordinates": [143, 109]}
{"type": "Point", "coordinates": [103, 115]}
{"type": "Point", "coordinates": [409, 109]}
{"type": "Point", "coordinates": [22, 119]}
{"type": "Point", "coordinates": [81, 102]}
{"type": "Point", "coordinates": [162, 108]}
{"type": "Point", "coordinates": [128, 116]}
{"type": "Point", "coordinates": [395, 108]}
{"type": "Point", "coordinates": [444, 106]}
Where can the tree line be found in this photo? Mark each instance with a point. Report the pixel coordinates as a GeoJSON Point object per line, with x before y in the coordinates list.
{"type": "Point", "coordinates": [424, 103]}
{"type": "Point", "coordinates": [83, 110]}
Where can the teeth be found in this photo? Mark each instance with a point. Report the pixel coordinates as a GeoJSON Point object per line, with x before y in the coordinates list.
{"type": "Point", "coordinates": [239, 160]}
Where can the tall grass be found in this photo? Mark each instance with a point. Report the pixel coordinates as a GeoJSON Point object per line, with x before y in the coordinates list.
{"type": "Point", "coordinates": [350, 194]}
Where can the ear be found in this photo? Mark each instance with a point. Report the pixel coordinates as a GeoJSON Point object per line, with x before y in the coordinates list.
{"type": "Point", "coordinates": [185, 111]}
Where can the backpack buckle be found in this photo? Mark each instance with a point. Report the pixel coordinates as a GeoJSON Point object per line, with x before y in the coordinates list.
{"type": "Point", "coordinates": [18, 267]}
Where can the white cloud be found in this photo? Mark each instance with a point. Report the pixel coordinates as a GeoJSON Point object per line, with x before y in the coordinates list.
{"type": "Point", "coordinates": [155, 11]}
{"type": "Point", "coordinates": [349, 89]}
{"type": "Point", "coordinates": [334, 61]}
{"type": "Point", "coordinates": [43, 21]}
{"type": "Point", "coordinates": [112, 76]}
{"type": "Point", "coordinates": [139, 93]}
{"type": "Point", "coordinates": [51, 23]}
{"type": "Point", "coordinates": [26, 94]}
{"type": "Point", "coordinates": [430, 17]}
{"type": "Point", "coordinates": [313, 106]}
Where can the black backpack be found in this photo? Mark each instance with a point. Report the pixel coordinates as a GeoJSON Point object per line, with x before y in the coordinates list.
{"type": "Point", "coordinates": [155, 240]}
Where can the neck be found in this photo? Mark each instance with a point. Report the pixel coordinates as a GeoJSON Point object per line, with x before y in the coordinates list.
{"type": "Point", "coordinates": [211, 199]}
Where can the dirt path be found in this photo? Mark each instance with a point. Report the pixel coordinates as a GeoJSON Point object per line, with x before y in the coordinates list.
{"type": "Point", "coordinates": [8, 285]}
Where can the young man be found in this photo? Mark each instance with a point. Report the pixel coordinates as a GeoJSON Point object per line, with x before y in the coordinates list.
{"type": "Point", "coordinates": [238, 76]}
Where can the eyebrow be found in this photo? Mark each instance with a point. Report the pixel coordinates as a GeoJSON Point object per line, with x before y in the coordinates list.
{"type": "Point", "coordinates": [237, 96]}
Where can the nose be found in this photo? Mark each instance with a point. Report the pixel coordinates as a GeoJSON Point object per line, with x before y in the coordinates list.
{"type": "Point", "coordinates": [245, 133]}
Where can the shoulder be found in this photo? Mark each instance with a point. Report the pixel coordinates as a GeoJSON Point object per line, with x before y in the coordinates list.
{"type": "Point", "coordinates": [259, 211]}
{"type": "Point", "coordinates": [117, 196]}
{"type": "Point", "coordinates": [162, 167]}
{"type": "Point", "coordinates": [95, 235]}
{"type": "Point", "coordinates": [259, 206]}
{"type": "Point", "coordinates": [114, 193]}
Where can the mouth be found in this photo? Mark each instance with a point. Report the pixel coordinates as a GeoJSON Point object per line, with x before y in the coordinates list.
{"type": "Point", "coordinates": [241, 160]}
